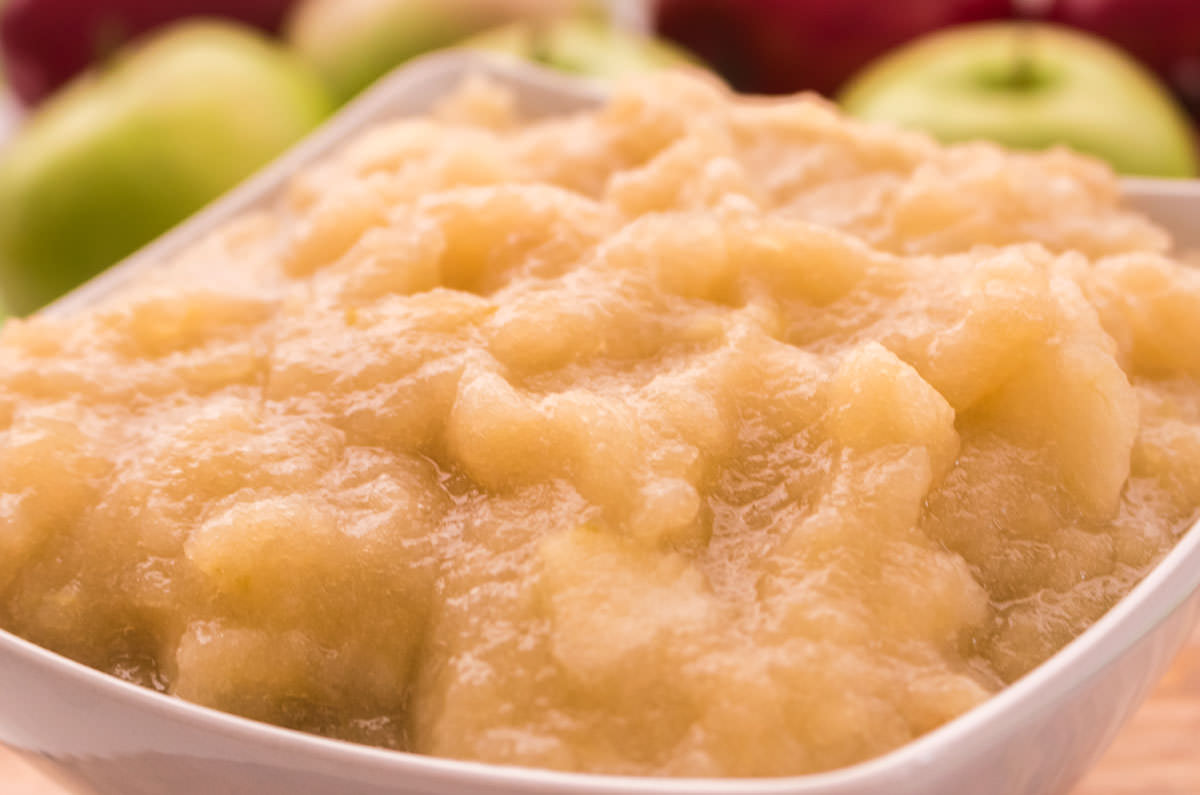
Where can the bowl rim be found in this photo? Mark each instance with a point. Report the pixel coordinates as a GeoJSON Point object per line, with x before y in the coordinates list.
{"type": "Point", "coordinates": [1166, 587]}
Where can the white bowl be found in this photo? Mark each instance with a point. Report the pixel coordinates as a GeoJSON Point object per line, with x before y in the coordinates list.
{"type": "Point", "coordinates": [9, 115]}
{"type": "Point", "coordinates": [100, 735]}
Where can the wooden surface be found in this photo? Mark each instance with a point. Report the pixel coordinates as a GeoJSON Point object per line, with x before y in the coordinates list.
{"type": "Point", "coordinates": [1158, 752]}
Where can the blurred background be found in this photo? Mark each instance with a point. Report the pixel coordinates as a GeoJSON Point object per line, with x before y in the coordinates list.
{"type": "Point", "coordinates": [120, 118]}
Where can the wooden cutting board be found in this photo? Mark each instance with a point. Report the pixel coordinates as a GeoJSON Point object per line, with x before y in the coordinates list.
{"type": "Point", "coordinates": [1158, 752]}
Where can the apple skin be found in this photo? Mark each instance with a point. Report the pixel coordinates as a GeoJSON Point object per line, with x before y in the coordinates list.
{"type": "Point", "coordinates": [1029, 86]}
{"type": "Point", "coordinates": [352, 43]}
{"type": "Point", "coordinates": [582, 46]}
{"type": "Point", "coordinates": [44, 43]}
{"type": "Point", "coordinates": [784, 46]}
{"type": "Point", "coordinates": [119, 157]}
{"type": "Point", "coordinates": [1162, 34]}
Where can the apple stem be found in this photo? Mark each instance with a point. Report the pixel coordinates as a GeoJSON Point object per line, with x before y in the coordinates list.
{"type": "Point", "coordinates": [1023, 73]}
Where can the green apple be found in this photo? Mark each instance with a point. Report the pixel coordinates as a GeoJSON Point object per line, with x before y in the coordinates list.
{"type": "Point", "coordinates": [120, 156]}
{"type": "Point", "coordinates": [351, 43]}
{"type": "Point", "coordinates": [581, 45]}
{"type": "Point", "coordinates": [1029, 86]}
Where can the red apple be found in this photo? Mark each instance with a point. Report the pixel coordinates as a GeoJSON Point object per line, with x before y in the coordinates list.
{"type": "Point", "coordinates": [1163, 34]}
{"type": "Point", "coordinates": [44, 43]}
{"type": "Point", "coordinates": [782, 46]}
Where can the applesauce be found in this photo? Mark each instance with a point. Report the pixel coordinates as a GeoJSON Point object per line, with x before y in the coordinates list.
{"type": "Point", "coordinates": [694, 435]}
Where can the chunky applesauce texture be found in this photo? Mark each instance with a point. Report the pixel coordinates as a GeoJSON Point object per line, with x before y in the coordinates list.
{"type": "Point", "coordinates": [692, 435]}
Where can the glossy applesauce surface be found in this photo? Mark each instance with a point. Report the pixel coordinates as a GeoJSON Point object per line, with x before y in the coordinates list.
{"type": "Point", "coordinates": [695, 435]}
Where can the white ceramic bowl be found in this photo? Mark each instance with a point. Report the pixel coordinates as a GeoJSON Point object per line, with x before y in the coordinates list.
{"type": "Point", "coordinates": [8, 115]}
{"type": "Point", "coordinates": [100, 735]}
